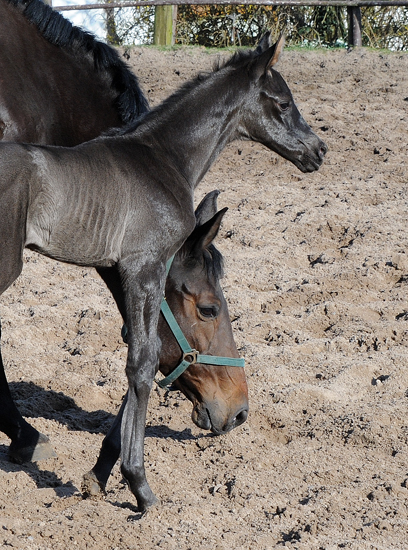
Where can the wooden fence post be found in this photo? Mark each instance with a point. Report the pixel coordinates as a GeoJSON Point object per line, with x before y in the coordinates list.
{"type": "Point", "coordinates": [164, 25]}
{"type": "Point", "coordinates": [112, 36]}
{"type": "Point", "coordinates": [354, 28]}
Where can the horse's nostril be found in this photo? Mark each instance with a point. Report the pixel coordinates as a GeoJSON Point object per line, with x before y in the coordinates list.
{"type": "Point", "coordinates": [241, 417]}
{"type": "Point", "coordinates": [323, 151]}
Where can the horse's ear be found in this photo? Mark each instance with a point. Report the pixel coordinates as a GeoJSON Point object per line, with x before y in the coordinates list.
{"type": "Point", "coordinates": [277, 51]}
{"type": "Point", "coordinates": [203, 235]}
{"type": "Point", "coordinates": [267, 58]}
{"type": "Point", "coordinates": [207, 208]}
{"type": "Point", "coordinates": [264, 44]}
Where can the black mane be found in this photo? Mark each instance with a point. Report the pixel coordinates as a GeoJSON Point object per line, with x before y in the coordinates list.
{"type": "Point", "coordinates": [214, 263]}
{"type": "Point", "coordinates": [238, 58]}
{"type": "Point", "coordinates": [130, 102]}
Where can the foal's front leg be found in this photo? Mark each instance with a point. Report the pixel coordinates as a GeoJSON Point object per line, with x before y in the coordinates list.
{"type": "Point", "coordinates": [143, 294]}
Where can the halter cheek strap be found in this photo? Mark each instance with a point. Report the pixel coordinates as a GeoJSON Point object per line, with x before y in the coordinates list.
{"type": "Point", "coordinates": [190, 355]}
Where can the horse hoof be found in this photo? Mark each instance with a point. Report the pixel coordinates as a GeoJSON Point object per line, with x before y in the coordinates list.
{"type": "Point", "coordinates": [42, 450]}
{"type": "Point", "coordinates": [147, 505]}
{"type": "Point", "coordinates": [148, 508]}
{"type": "Point", "coordinates": [91, 487]}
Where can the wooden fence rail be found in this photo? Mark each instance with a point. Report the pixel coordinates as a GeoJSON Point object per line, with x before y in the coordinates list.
{"type": "Point", "coordinates": [353, 8]}
{"type": "Point", "coordinates": [135, 3]}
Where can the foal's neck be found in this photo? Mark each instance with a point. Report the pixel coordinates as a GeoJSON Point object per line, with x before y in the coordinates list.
{"type": "Point", "coordinates": [192, 128]}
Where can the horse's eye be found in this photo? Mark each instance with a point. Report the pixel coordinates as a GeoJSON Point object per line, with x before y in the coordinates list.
{"type": "Point", "coordinates": [284, 106]}
{"type": "Point", "coordinates": [208, 312]}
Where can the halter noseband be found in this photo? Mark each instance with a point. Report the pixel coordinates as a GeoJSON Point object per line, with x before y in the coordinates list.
{"type": "Point", "coordinates": [190, 356]}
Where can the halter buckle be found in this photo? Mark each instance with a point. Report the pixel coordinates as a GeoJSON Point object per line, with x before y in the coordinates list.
{"type": "Point", "coordinates": [191, 356]}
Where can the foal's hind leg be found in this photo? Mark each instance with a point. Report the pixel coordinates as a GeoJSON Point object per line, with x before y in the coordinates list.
{"type": "Point", "coordinates": [95, 480]}
{"type": "Point", "coordinates": [26, 442]}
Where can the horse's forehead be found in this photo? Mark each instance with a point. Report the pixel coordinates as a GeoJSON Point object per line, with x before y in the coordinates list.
{"type": "Point", "coordinates": [198, 281]}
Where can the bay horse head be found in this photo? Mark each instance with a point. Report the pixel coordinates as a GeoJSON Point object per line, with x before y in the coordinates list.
{"type": "Point", "coordinates": [219, 393]}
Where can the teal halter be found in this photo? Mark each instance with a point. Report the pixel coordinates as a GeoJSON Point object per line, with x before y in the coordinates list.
{"type": "Point", "coordinates": [190, 355]}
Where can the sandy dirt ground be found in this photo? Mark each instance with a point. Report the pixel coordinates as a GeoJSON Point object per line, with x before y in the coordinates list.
{"type": "Point", "coordinates": [316, 282]}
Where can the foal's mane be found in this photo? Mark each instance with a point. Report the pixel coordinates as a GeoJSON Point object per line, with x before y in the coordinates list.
{"type": "Point", "coordinates": [130, 102]}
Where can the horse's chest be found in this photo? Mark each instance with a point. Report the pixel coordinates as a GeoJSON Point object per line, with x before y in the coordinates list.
{"type": "Point", "coordinates": [157, 225]}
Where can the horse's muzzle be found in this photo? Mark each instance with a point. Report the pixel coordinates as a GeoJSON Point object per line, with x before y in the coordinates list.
{"type": "Point", "coordinates": [312, 158]}
{"type": "Point", "coordinates": [219, 424]}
